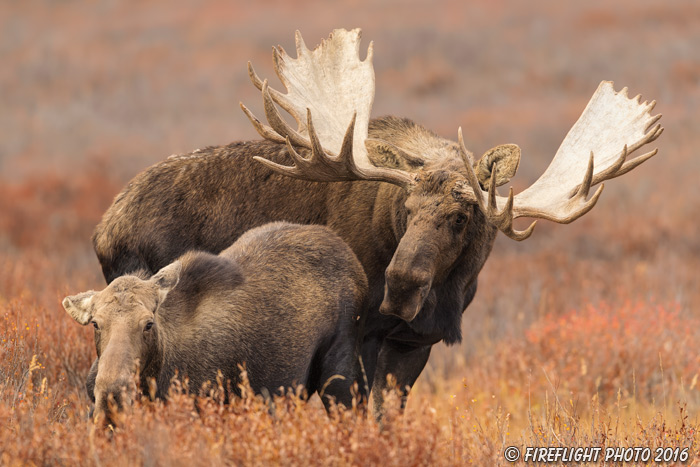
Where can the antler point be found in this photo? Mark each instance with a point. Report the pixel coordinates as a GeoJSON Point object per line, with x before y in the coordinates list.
{"type": "Point", "coordinates": [370, 53]}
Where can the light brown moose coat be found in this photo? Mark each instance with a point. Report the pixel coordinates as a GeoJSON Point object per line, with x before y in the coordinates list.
{"type": "Point", "coordinates": [283, 299]}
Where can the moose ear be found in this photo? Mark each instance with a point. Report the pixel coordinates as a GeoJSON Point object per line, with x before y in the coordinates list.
{"type": "Point", "coordinates": [80, 306]}
{"type": "Point", "coordinates": [167, 278]}
{"type": "Point", "coordinates": [506, 157]}
{"type": "Point", "coordinates": [384, 154]}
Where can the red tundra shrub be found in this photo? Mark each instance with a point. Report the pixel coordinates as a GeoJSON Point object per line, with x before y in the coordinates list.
{"type": "Point", "coordinates": [643, 350]}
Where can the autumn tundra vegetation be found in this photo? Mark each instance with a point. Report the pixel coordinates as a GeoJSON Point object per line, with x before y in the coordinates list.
{"type": "Point", "coordinates": [581, 335]}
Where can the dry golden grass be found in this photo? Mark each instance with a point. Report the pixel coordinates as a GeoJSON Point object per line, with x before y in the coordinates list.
{"type": "Point", "coordinates": [584, 335]}
{"type": "Point", "coordinates": [618, 372]}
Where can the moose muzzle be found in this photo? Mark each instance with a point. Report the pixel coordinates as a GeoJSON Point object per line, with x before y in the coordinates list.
{"type": "Point", "coordinates": [114, 382]}
{"type": "Point", "coordinates": [404, 296]}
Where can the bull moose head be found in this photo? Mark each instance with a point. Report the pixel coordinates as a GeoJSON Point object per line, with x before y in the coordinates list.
{"type": "Point", "coordinates": [444, 190]}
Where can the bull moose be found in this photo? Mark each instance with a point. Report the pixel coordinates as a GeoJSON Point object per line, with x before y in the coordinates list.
{"type": "Point", "coordinates": [419, 211]}
{"type": "Point", "coordinates": [283, 300]}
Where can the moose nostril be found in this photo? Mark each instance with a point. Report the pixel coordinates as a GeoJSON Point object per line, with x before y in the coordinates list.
{"type": "Point", "coordinates": [424, 291]}
{"type": "Point", "coordinates": [119, 390]}
{"type": "Point", "coordinates": [404, 298]}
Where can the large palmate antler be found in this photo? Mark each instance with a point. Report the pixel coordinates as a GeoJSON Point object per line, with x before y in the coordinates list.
{"type": "Point", "coordinates": [610, 128]}
{"type": "Point", "coordinates": [333, 84]}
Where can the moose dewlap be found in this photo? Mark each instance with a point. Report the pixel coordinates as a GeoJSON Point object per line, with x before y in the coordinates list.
{"type": "Point", "coordinates": [283, 300]}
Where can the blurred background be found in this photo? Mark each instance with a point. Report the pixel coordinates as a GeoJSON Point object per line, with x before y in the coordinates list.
{"type": "Point", "coordinates": [92, 92]}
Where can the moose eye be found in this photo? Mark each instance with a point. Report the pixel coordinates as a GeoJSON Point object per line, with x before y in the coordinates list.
{"type": "Point", "coordinates": [460, 219]}
{"type": "Point", "coordinates": [94, 324]}
{"type": "Point", "coordinates": [148, 327]}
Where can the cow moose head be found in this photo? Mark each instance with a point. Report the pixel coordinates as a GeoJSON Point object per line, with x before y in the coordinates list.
{"type": "Point", "coordinates": [125, 319]}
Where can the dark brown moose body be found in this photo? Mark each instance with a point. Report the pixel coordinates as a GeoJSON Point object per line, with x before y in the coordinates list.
{"type": "Point", "coordinates": [219, 193]}
{"type": "Point", "coordinates": [419, 211]}
{"type": "Point", "coordinates": [283, 300]}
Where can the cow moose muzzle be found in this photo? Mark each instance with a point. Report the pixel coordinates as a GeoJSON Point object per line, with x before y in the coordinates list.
{"type": "Point", "coordinates": [115, 385]}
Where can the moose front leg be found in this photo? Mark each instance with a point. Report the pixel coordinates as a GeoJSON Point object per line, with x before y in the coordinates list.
{"type": "Point", "coordinates": [404, 363]}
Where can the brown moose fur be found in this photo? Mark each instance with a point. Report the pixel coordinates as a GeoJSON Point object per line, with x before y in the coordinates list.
{"type": "Point", "coordinates": [283, 300]}
{"type": "Point", "coordinates": [431, 256]}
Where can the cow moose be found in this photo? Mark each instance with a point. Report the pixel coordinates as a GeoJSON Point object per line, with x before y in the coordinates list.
{"type": "Point", "coordinates": [283, 300]}
{"type": "Point", "coordinates": [419, 211]}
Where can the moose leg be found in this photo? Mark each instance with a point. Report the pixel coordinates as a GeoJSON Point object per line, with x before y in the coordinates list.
{"type": "Point", "coordinates": [340, 370]}
{"type": "Point", "coordinates": [368, 363]}
{"type": "Point", "coordinates": [335, 387]}
{"type": "Point", "coordinates": [404, 363]}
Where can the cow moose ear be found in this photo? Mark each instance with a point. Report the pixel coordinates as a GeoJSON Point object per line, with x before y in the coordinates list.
{"type": "Point", "coordinates": [506, 157]}
{"type": "Point", "coordinates": [166, 279]}
{"type": "Point", "coordinates": [384, 154]}
{"type": "Point", "coordinates": [80, 306]}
